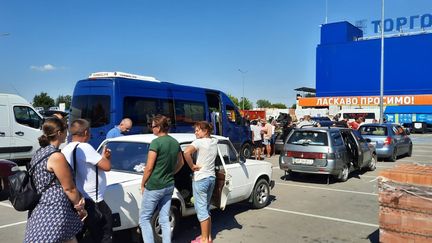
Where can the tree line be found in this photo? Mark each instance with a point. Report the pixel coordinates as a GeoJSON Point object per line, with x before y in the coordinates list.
{"type": "Point", "coordinates": [45, 101]}
{"type": "Point", "coordinates": [248, 105]}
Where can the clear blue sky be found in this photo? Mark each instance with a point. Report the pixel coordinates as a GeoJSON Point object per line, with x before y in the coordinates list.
{"type": "Point", "coordinates": [52, 44]}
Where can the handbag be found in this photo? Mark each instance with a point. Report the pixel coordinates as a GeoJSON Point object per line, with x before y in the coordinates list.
{"type": "Point", "coordinates": [23, 193]}
{"type": "Point", "coordinates": [94, 215]}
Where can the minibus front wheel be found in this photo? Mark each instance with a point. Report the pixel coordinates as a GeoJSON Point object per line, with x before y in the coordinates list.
{"type": "Point", "coordinates": [246, 150]}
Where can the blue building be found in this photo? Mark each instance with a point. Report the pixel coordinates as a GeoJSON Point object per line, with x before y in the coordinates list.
{"type": "Point", "coordinates": [348, 65]}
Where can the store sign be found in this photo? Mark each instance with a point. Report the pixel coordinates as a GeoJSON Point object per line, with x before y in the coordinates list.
{"type": "Point", "coordinates": [367, 100]}
{"type": "Point", "coordinates": [404, 23]}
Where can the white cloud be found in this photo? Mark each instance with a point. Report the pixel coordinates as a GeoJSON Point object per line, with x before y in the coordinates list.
{"type": "Point", "coordinates": [44, 68]}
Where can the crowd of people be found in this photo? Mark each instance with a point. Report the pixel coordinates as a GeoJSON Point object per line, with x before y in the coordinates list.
{"type": "Point", "coordinates": [72, 182]}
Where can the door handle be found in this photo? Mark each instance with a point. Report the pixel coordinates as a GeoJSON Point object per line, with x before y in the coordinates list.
{"type": "Point", "coordinates": [19, 133]}
{"type": "Point", "coordinates": [2, 134]}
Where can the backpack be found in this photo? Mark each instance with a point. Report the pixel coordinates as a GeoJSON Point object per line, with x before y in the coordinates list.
{"type": "Point", "coordinates": [23, 193]}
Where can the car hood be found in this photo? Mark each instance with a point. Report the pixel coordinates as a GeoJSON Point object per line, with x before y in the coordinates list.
{"type": "Point", "coordinates": [119, 177]}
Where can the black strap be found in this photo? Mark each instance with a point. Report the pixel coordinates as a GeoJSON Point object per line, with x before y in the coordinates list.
{"type": "Point", "coordinates": [32, 168]}
{"type": "Point", "coordinates": [97, 171]}
{"type": "Point", "coordinates": [74, 160]}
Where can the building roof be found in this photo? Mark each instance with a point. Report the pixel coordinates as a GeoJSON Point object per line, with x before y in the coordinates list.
{"type": "Point", "coordinates": [306, 89]}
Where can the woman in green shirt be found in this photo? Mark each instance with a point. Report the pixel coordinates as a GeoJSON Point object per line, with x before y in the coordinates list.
{"type": "Point", "coordinates": [163, 161]}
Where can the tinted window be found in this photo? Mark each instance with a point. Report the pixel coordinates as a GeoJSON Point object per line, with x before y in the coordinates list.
{"type": "Point", "coordinates": [94, 108]}
{"type": "Point", "coordinates": [141, 110]}
{"type": "Point", "coordinates": [128, 156]}
{"type": "Point", "coordinates": [336, 138]}
{"type": "Point", "coordinates": [373, 131]}
{"type": "Point", "coordinates": [189, 112]}
{"type": "Point", "coordinates": [26, 116]}
{"type": "Point", "coordinates": [308, 138]}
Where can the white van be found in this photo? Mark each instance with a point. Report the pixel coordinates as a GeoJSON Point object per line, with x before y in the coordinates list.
{"type": "Point", "coordinates": [20, 127]}
{"type": "Point", "coordinates": [370, 114]}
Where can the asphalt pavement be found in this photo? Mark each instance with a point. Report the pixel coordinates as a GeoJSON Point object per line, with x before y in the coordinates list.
{"type": "Point", "coordinates": [302, 209]}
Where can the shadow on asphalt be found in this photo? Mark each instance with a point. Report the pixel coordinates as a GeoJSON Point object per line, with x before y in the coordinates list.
{"type": "Point", "coordinates": [374, 236]}
{"type": "Point", "coordinates": [189, 228]}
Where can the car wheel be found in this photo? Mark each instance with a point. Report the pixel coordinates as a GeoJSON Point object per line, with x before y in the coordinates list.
{"type": "Point", "coordinates": [409, 154]}
{"type": "Point", "coordinates": [393, 157]}
{"type": "Point", "coordinates": [260, 194]}
{"type": "Point", "coordinates": [246, 151]}
{"type": "Point", "coordinates": [373, 162]}
{"type": "Point", "coordinates": [343, 174]}
{"type": "Point", "coordinates": [157, 229]}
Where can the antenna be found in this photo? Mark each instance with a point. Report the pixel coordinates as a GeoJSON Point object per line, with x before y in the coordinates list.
{"type": "Point", "coordinates": [326, 12]}
{"type": "Point", "coordinates": [362, 24]}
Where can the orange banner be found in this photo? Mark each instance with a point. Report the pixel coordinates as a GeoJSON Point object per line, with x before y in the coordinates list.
{"type": "Point", "coordinates": [367, 100]}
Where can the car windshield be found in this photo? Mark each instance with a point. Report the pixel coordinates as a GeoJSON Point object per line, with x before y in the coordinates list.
{"type": "Point", "coordinates": [128, 156]}
{"type": "Point", "coordinates": [373, 130]}
{"type": "Point", "coordinates": [316, 138]}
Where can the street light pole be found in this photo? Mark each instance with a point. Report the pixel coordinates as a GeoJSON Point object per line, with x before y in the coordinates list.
{"type": "Point", "coordinates": [382, 65]}
{"type": "Point", "coordinates": [243, 79]}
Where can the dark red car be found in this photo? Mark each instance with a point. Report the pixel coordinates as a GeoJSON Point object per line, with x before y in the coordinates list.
{"type": "Point", "coordinates": [7, 168]}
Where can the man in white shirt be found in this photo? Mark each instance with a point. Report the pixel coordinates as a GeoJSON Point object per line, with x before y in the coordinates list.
{"type": "Point", "coordinates": [89, 173]}
{"type": "Point", "coordinates": [256, 138]}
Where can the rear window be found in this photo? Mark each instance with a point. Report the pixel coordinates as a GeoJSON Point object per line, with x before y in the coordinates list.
{"type": "Point", "coordinates": [373, 131]}
{"type": "Point", "coordinates": [93, 108]}
{"type": "Point", "coordinates": [128, 156]}
{"type": "Point", "coordinates": [308, 138]}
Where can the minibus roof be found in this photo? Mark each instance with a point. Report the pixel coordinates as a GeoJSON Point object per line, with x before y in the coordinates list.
{"type": "Point", "coordinates": [99, 75]}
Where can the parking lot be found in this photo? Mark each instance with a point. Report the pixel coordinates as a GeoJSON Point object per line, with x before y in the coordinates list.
{"type": "Point", "coordinates": [306, 209]}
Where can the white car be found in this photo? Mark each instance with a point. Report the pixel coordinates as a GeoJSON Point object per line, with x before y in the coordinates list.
{"type": "Point", "coordinates": [237, 180]}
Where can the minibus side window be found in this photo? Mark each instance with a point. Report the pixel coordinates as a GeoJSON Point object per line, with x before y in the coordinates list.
{"type": "Point", "coordinates": [189, 112]}
{"type": "Point", "coordinates": [233, 115]}
{"type": "Point", "coordinates": [94, 108]}
{"type": "Point", "coordinates": [141, 110]}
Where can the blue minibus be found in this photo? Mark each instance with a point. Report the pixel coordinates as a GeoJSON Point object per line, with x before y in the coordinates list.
{"type": "Point", "coordinates": [105, 98]}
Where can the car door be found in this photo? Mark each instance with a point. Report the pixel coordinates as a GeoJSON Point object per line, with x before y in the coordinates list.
{"type": "Point", "coordinates": [238, 176]}
{"type": "Point", "coordinates": [365, 155]}
{"type": "Point", "coordinates": [404, 141]}
{"type": "Point", "coordinates": [25, 131]}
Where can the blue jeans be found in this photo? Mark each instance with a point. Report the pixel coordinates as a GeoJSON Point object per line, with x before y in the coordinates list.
{"type": "Point", "coordinates": [150, 200]}
{"type": "Point", "coordinates": [202, 193]}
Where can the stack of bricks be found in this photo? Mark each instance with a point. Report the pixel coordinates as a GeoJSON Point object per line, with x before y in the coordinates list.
{"type": "Point", "coordinates": [405, 198]}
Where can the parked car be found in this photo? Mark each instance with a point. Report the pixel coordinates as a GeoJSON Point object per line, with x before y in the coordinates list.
{"type": "Point", "coordinates": [49, 113]}
{"type": "Point", "coordinates": [327, 150]}
{"type": "Point", "coordinates": [390, 140]}
{"type": "Point", "coordinates": [7, 168]}
{"type": "Point", "coordinates": [237, 180]}
{"type": "Point", "coordinates": [39, 109]}
{"type": "Point", "coordinates": [54, 108]}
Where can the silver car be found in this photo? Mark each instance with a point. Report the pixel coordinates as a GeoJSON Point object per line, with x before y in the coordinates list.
{"type": "Point", "coordinates": [327, 150]}
{"type": "Point", "coordinates": [390, 140]}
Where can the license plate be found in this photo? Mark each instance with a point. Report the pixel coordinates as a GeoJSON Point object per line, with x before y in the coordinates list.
{"type": "Point", "coordinates": [303, 161]}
